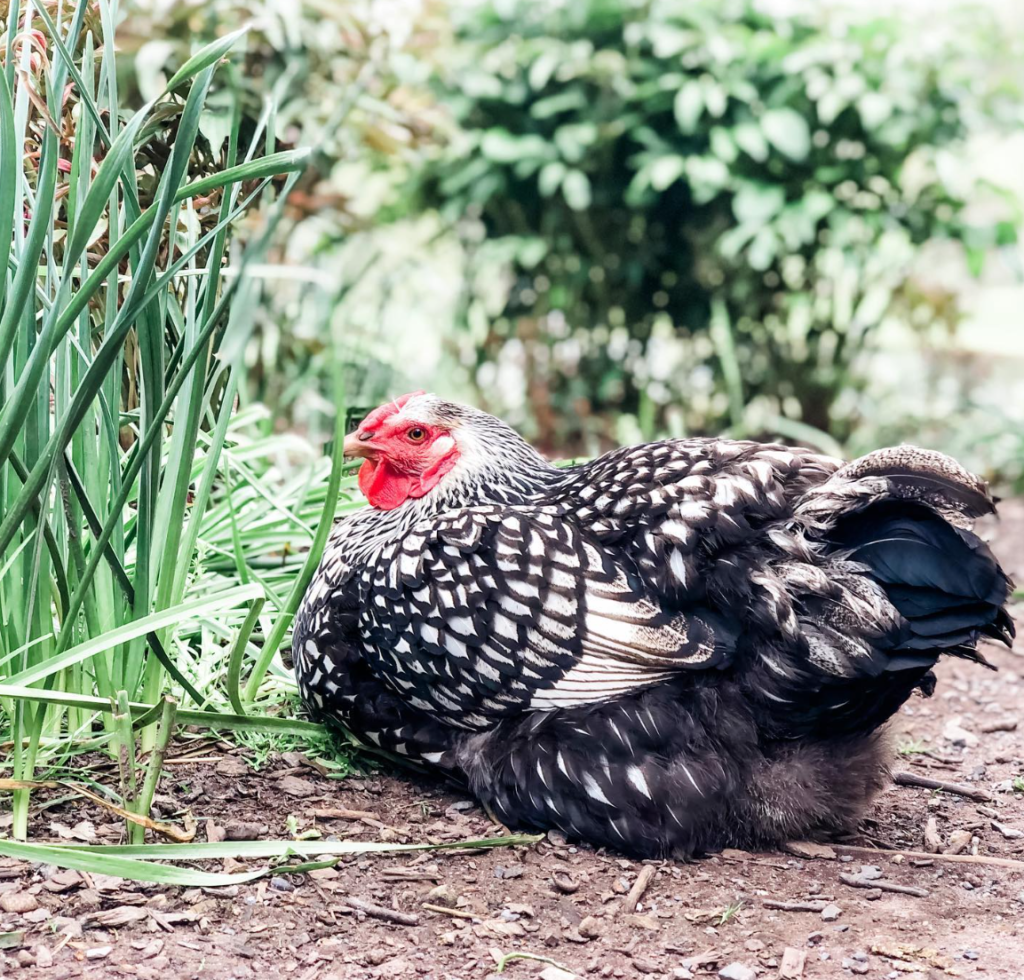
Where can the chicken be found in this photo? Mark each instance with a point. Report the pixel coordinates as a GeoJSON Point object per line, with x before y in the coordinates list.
{"type": "Point", "coordinates": [671, 649]}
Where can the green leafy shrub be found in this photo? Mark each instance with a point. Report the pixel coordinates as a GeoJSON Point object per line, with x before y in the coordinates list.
{"type": "Point", "coordinates": [705, 211]}
{"type": "Point", "coordinates": [350, 81]}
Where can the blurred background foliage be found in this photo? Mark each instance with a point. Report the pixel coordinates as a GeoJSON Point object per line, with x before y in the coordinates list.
{"type": "Point", "coordinates": [609, 220]}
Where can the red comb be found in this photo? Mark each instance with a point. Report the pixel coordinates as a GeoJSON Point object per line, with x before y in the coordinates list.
{"type": "Point", "coordinates": [386, 410]}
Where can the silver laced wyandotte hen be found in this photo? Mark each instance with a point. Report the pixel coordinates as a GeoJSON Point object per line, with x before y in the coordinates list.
{"type": "Point", "coordinates": [671, 649]}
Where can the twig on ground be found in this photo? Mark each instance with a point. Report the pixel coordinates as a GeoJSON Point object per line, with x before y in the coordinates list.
{"type": "Point", "coordinates": [926, 782]}
{"type": "Point", "coordinates": [642, 883]}
{"type": "Point", "coordinates": [445, 910]}
{"type": "Point", "coordinates": [886, 886]}
{"type": "Point", "coordinates": [813, 906]}
{"type": "Point", "coordinates": [380, 912]}
{"type": "Point", "coordinates": [342, 813]}
{"type": "Point", "coordinates": [997, 862]}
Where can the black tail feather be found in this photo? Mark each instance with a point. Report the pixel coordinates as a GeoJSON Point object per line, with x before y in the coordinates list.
{"type": "Point", "coordinates": [944, 581]}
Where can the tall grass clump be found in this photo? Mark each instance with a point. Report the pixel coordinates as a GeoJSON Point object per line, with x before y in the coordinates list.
{"type": "Point", "coordinates": [142, 551]}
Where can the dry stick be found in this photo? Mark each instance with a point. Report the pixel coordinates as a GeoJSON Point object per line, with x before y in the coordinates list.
{"type": "Point", "coordinates": [444, 910]}
{"type": "Point", "coordinates": [997, 862]}
{"type": "Point", "coordinates": [341, 813]}
{"type": "Point", "coordinates": [886, 886]}
{"type": "Point", "coordinates": [409, 874]}
{"type": "Point", "coordinates": [380, 912]}
{"type": "Point", "coordinates": [925, 782]}
{"type": "Point", "coordinates": [643, 881]}
{"type": "Point", "coordinates": [1004, 725]}
{"type": "Point", "coordinates": [815, 906]}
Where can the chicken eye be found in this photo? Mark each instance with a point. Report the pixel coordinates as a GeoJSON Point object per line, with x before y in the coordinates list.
{"type": "Point", "coordinates": [416, 435]}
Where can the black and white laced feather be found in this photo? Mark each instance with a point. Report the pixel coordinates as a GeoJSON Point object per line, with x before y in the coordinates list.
{"type": "Point", "coordinates": [677, 646]}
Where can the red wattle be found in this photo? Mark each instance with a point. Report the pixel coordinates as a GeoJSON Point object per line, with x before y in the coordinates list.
{"type": "Point", "coordinates": [387, 488]}
{"type": "Point", "coordinates": [384, 487]}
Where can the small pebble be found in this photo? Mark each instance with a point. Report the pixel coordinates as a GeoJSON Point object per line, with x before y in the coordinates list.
{"type": "Point", "coordinates": [18, 902]}
{"type": "Point", "coordinates": [737, 971]}
{"type": "Point", "coordinates": [830, 913]}
{"type": "Point", "coordinates": [970, 954]}
{"type": "Point", "coordinates": [280, 884]}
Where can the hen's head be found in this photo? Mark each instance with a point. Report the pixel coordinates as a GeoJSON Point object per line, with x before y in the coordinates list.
{"type": "Point", "coordinates": [414, 443]}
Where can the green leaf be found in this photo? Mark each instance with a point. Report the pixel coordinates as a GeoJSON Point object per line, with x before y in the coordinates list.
{"type": "Point", "coordinates": [688, 106]}
{"type": "Point", "coordinates": [874, 108]}
{"type": "Point", "coordinates": [750, 140]}
{"type": "Point", "coordinates": [665, 171]}
{"type": "Point", "coordinates": [788, 132]}
{"type": "Point", "coordinates": [550, 178]}
{"type": "Point", "coordinates": [763, 249]}
{"type": "Point", "coordinates": [576, 190]}
{"type": "Point", "coordinates": [757, 202]}
{"type": "Point", "coordinates": [501, 146]}
{"type": "Point", "coordinates": [204, 57]}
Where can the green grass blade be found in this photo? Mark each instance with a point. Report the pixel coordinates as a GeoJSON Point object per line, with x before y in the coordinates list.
{"type": "Point", "coordinates": [280, 850]}
{"type": "Point", "coordinates": [204, 58]}
{"type": "Point", "coordinates": [113, 860]}
{"type": "Point", "coordinates": [38, 231]}
{"type": "Point", "coordinates": [237, 653]}
{"type": "Point", "coordinates": [10, 167]}
{"type": "Point", "coordinates": [137, 628]}
{"type": "Point", "coordinates": [302, 580]}
{"type": "Point", "coordinates": [121, 867]}
{"type": "Point", "coordinates": [213, 720]}
{"type": "Point", "coordinates": [119, 155]}
{"type": "Point", "coordinates": [13, 414]}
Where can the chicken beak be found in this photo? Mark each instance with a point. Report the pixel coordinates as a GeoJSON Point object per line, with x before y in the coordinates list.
{"type": "Point", "coordinates": [357, 445]}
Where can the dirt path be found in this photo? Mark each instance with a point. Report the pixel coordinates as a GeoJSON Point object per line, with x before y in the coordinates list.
{"type": "Point", "coordinates": [709, 918]}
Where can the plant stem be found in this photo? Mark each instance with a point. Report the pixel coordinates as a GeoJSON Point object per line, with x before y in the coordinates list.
{"type": "Point", "coordinates": [169, 708]}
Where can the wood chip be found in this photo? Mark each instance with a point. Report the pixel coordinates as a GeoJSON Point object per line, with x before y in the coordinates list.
{"type": "Point", "coordinates": [932, 840]}
{"type": "Point", "coordinates": [959, 841]}
{"type": "Point", "coordinates": [808, 849]}
{"type": "Point", "coordinates": [642, 883]}
{"type": "Point", "coordinates": [296, 786]}
{"type": "Point", "coordinates": [792, 965]}
{"type": "Point", "coordinates": [565, 884]}
{"type": "Point", "coordinates": [114, 918]}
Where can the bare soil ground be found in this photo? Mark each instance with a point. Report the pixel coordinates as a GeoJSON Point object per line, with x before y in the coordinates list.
{"type": "Point", "coordinates": [715, 917]}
